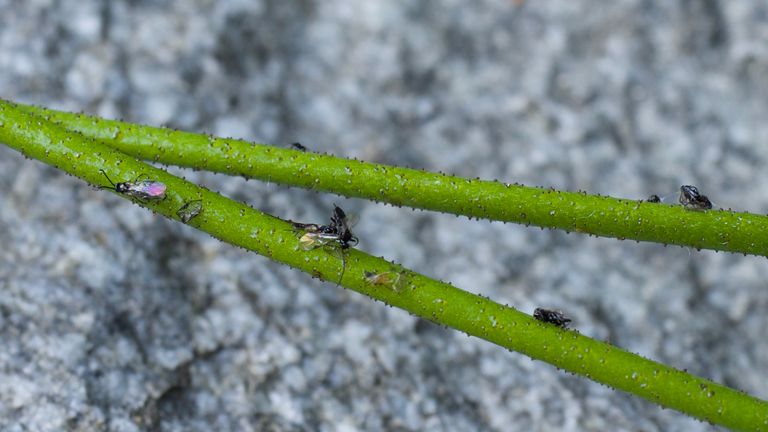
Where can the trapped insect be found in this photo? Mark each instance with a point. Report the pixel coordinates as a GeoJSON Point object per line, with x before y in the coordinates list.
{"type": "Point", "coordinates": [146, 190]}
{"type": "Point", "coordinates": [555, 317]}
{"type": "Point", "coordinates": [691, 199]}
{"type": "Point", "coordinates": [337, 235]}
{"type": "Point", "coordinates": [190, 210]}
{"type": "Point", "coordinates": [391, 279]}
{"type": "Point", "coordinates": [298, 146]}
{"type": "Point", "coordinates": [653, 199]}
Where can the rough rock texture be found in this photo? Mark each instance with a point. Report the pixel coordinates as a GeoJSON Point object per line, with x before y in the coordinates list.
{"type": "Point", "coordinates": [114, 319]}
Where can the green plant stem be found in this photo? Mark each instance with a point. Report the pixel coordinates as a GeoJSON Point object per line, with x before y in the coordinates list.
{"type": "Point", "coordinates": [596, 215]}
{"type": "Point", "coordinates": [240, 225]}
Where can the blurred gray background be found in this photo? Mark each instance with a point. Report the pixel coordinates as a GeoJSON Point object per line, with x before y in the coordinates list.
{"type": "Point", "coordinates": [112, 318]}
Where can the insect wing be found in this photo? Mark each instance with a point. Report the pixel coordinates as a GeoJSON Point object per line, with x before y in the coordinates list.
{"type": "Point", "coordinates": [310, 240]}
{"type": "Point", "coordinates": [147, 190]}
{"type": "Point", "coordinates": [190, 210]}
{"type": "Point", "coordinates": [351, 220]}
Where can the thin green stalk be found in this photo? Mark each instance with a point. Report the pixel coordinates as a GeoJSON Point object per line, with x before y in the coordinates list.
{"type": "Point", "coordinates": [240, 225]}
{"type": "Point", "coordinates": [597, 215]}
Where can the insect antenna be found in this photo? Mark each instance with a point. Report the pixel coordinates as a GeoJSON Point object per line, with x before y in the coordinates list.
{"type": "Point", "coordinates": [114, 187]}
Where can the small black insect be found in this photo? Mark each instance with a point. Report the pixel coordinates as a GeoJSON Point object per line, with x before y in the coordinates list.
{"type": "Point", "coordinates": [691, 199]}
{"type": "Point", "coordinates": [555, 317]}
{"type": "Point", "coordinates": [298, 146]}
{"type": "Point", "coordinates": [653, 199]}
{"type": "Point", "coordinates": [341, 225]}
{"type": "Point", "coordinates": [145, 190]}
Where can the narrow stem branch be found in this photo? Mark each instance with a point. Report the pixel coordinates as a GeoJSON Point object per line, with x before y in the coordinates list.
{"type": "Point", "coordinates": [721, 230]}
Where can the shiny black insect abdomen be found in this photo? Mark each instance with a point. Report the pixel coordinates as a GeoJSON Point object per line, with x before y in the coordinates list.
{"type": "Point", "coordinates": [555, 317]}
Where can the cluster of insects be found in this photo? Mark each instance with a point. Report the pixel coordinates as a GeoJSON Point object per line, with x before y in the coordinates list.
{"type": "Point", "coordinates": [337, 235]}
{"type": "Point", "coordinates": [337, 232]}
{"type": "Point", "coordinates": [690, 198]}
{"type": "Point", "coordinates": [555, 317]}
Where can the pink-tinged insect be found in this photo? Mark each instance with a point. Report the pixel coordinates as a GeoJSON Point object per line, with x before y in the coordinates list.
{"type": "Point", "coordinates": [144, 190]}
{"type": "Point", "coordinates": [555, 317]}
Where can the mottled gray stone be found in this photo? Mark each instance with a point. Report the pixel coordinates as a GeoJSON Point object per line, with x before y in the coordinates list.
{"type": "Point", "coordinates": [115, 319]}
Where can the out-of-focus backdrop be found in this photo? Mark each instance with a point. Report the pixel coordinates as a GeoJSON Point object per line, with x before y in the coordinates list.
{"type": "Point", "coordinates": [112, 318]}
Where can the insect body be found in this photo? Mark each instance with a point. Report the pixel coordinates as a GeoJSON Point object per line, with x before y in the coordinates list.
{"type": "Point", "coordinates": [298, 146]}
{"type": "Point", "coordinates": [145, 190]}
{"type": "Point", "coordinates": [391, 279]}
{"type": "Point", "coordinates": [691, 199]}
{"type": "Point", "coordinates": [653, 199]}
{"type": "Point", "coordinates": [555, 317]}
{"type": "Point", "coordinates": [190, 210]}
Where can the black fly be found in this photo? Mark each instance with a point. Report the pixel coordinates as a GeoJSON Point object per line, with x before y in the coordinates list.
{"type": "Point", "coordinates": [653, 199]}
{"type": "Point", "coordinates": [691, 199]}
{"type": "Point", "coordinates": [555, 317]}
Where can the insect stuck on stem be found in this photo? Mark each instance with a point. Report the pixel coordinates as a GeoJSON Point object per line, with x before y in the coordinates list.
{"type": "Point", "coordinates": [555, 317]}
{"type": "Point", "coordinates": [298, 146]}
{"type": "Point", "coordinates": [144, 190]}
{"type": "Point", "coordinates": [336, 235]}
{"type": "Point", "coordinates": [653, 199]}
{"type": "Point", "coordinates": [691, 199]}
{"type": "Point", "coordinates": [190, 210]}
{"type": "Point", "coordinates": [390, 279]}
